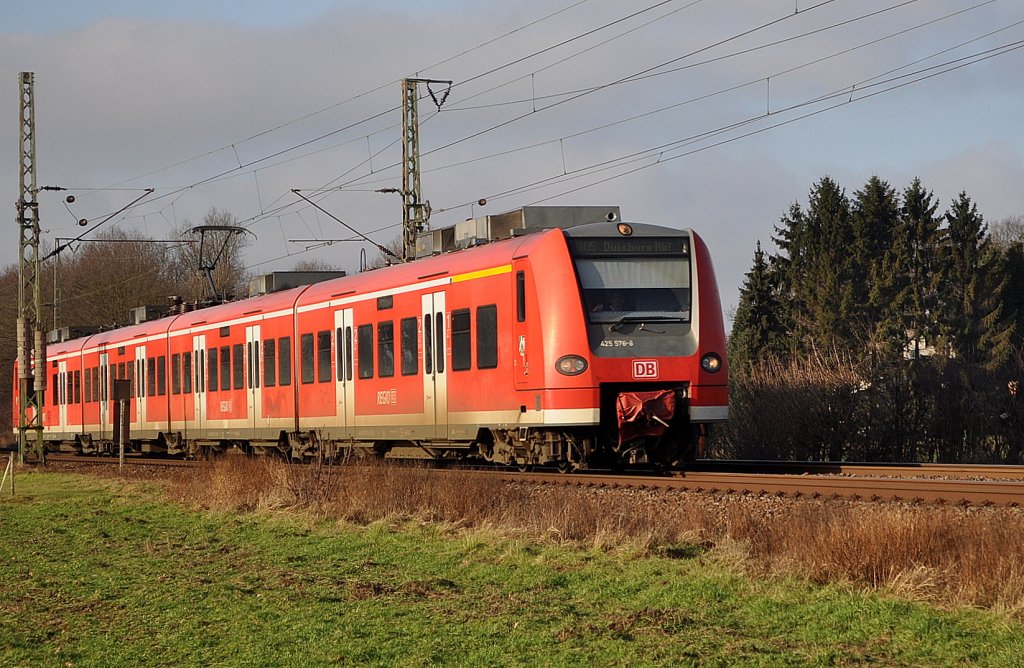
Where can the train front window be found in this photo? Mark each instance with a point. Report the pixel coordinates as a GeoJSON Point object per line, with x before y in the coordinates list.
{"type": "Point", "coordinates": [635, 287]}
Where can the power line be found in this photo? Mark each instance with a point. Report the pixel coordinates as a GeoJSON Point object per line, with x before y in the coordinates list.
{"type": "Point", "coordinates": [243, 166]}
{"type": "Point", "coordinates": [627, 78]}
{"type": "Point", "coordinates": [652, 72]}
{"type": "Point", "coordinates": [659, 152]}
{"type": "Point", "coordinates": [349, 99]}
{"type": "Point", "coordinates": [728, 89]}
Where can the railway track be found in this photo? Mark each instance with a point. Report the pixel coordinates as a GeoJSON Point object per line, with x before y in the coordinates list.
{"type": "Point", "coordinates": [890, 470]}
{"type": "Point", "coordinates": [76, 460]}
{"type": "Point", "coordinates": [918, 483]}
{"type": "Point", "coordinates": [867, 488]}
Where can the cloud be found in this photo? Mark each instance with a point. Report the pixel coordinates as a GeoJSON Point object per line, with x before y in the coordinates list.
{"type": "Point", "coordinates": [124, 94]}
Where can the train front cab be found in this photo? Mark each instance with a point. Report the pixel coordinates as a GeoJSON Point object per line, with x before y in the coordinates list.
{"type": "Point", "coordinates": [654, 349]}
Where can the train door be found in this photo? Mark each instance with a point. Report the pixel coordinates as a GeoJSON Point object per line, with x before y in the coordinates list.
{"type": "Point", "coordinates": [254, 394]}
{"type": "Point", "coordinates": [199, 386]}
{"type": "Point", "coordinates": [521, 351]}
{"type": "Point", "coordinates": [435, 378]}
{"type": "Point", "coordinates": [140, 385]}
{"type": "Point", "coordinates": [61, 392]}
{"type": "Point", "coordinates": [345, 388]}
{"type": "Point", "coordinates": [104, 394]}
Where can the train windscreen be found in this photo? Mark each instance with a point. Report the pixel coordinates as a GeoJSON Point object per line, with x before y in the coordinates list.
{"type": "Point", "coordinates": [652, 286]}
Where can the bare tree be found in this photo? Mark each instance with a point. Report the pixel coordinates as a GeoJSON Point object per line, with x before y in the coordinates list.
{"type": "Point", "coordinates": [102, 280]}
{"type": "Point", "coordinates": [1008, 231]}
{"type": "Point", "coordinates": [229, 274]}
{"type": "Point", "coordinates": [382, 258]}
{"type": "Point", "coordinates": [315, 264]}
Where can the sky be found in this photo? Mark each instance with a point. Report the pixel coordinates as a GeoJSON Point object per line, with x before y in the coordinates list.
{"type": "Point", "coordinates": [714, 115]}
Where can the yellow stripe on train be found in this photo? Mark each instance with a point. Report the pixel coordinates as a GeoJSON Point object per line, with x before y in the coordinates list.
{"type": "Point", "coordinates": [483, 273]}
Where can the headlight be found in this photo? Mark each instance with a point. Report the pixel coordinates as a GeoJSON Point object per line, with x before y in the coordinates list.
{"type": "Point", "coordinates": [711, 363]}
{"type": "Point", "coordinates": [571, 365]}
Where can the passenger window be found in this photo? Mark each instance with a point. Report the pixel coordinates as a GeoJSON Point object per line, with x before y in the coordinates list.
{"type": "Point", "coordinates": [284, 358]}
{"type": "Point", "coordinates": [225, 367]}
{"type": "Point", "coordinates": [323, 356]}
{"type": "Point", "coordinates": [365, 340]}
{"type": "Point", "coordinates": [306, 359]}
{"type": "Point", "coordinates": [175, 373]}
{"type": "Point", "coordinates": [269, 363]}
{"type": "Point", "coordinates": [486, 337]}
{"type": "Point", "coordinates": [386, 349]}
{"type": "Point", "coordinates": [408, 346]}
{"type": "Point", "coordinates": [238, 366]}
{"type": "Point", "coordinates": [211, 369]}
{"type": "Point", "coordinates": [461, 340]}
{"type": "Point", "coordinates": [186, 372]}
{"type": "Point", "coordinates": [161, 375]}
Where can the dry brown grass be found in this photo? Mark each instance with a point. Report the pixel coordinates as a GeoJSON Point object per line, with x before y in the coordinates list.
{"type": "Point", "coordinates": [947, 556]}
{"type": "Point", "coordinates": [944, 555]}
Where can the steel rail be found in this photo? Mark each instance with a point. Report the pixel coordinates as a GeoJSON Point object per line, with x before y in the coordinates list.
{"type": "Point", "coordinates": [887, 470]}
{"type": "Point", "coordinates": [953, 491]}
{"type": "Point", "coordinates": [134, 460]}
{"type": "Point", "coordinates": [934, 490]}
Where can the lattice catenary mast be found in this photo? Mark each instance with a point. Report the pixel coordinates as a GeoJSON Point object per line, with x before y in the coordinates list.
{"type": "Point", "coordinates": [31, 385]}
{"type": "Point", "coordinates": [416, 212]}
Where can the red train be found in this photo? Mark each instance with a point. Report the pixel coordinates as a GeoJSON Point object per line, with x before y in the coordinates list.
{"type": "Point", "coordinates": [564, 342]}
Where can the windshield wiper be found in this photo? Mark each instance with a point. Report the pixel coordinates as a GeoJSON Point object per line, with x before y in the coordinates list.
{"type": "Point", "coordinates": [645, 319]}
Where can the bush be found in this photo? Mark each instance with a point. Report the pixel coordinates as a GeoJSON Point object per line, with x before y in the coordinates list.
{"type": "Point", "coordinates": [934, 409]}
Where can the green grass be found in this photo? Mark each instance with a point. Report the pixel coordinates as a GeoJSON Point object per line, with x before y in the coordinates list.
{"type": "Point", "coordinates": [95, 574]}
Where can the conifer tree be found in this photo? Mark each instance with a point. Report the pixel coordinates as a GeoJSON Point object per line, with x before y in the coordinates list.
{"type": "Point", "coordinates": [965, 242]}
{"type": "Point", "coordinates": [788, 265]}
{"type": "Point", "coordinates": [973, 282]}
{"type": "Point", "coordinates": [875, 217]}
{"type": "Point", "coordinates": [916, 256]}
{"type": "Point", "coordinates": [1007, 238]}
{"type": "Point", "coordinates": [758, 333]}
{"type": "Point", "coordinates": [1012, 298]}
{"type": "Point", "coordinates": [817, 269]}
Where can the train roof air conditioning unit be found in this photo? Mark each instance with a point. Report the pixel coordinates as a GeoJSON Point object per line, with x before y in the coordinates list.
{"type": "Point", "coordinates": [285, 280]}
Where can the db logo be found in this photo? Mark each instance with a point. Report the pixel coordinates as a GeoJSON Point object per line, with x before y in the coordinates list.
{"type": "Point", "coordinates": [645, 368]}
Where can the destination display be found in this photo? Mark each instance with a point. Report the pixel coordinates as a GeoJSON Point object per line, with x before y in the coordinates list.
{"type": "Point", "coordinates": [582, 246]}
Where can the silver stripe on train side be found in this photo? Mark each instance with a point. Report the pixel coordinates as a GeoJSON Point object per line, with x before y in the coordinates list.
{"type": "Point", "coordinates": [709, 413]}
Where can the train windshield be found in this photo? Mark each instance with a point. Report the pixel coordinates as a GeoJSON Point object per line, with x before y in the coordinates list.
{"type": "Point", "coordinates": [635, 287]}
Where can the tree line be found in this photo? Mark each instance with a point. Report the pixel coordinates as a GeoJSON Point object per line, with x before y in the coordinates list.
{"type": "Point", "coordinates": [95, 283]}
{"type": "Point", "coordinates": [882, 329]}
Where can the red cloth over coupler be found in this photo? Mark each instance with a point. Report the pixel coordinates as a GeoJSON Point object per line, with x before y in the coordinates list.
{"type": "Point", "coordinates": [644, 413]}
